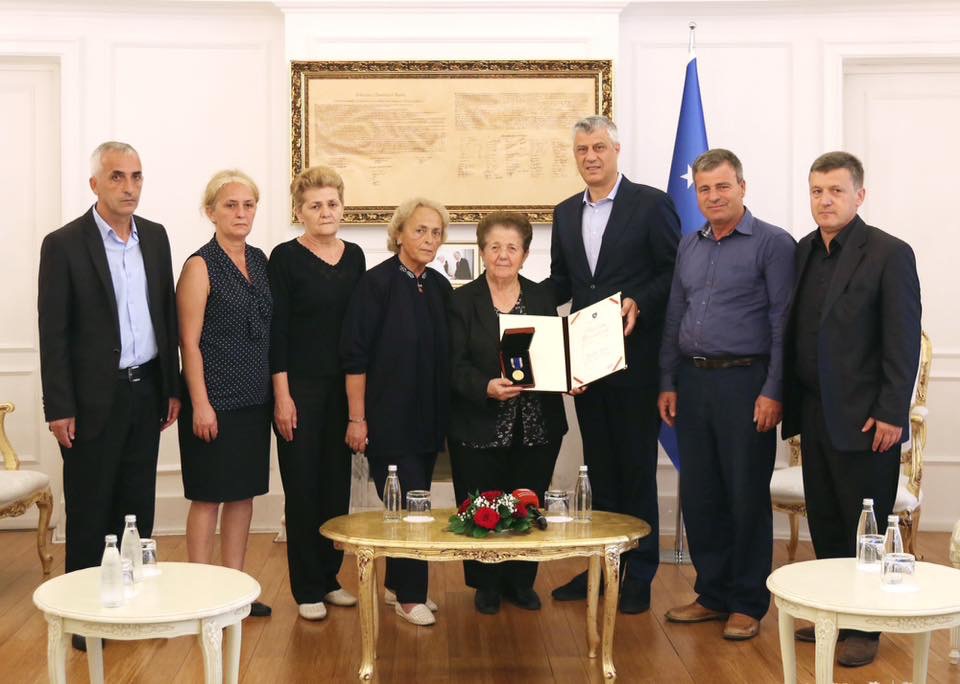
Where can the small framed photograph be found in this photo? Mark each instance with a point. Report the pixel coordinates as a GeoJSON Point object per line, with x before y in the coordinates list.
{"type": "Point", "coordinates": [459, 262]}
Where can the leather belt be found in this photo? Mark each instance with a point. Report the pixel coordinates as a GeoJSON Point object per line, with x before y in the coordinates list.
{"type": "Point", "coordinates": [138, 373]}
{"type": "Point", "coordinates": [726, 362]}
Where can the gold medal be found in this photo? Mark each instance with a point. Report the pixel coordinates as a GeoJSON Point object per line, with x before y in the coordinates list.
{"type": "Point", "coordinates": [517, 375]}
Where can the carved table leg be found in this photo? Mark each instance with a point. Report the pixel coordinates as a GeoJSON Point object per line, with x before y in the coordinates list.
{"type": "Point", "coordinates": [95, 659]}
{"type": "Point", "coordinates": [611, 589]}
{"type": "Point", "coordinates": [593, 599]}
{"type": "Point", "coordinates": [365, 570]}
{"type": "Point", "coordinates": [56, 650]}
{"type": "Point", "coordinates": [211, 643]}
{"type": "Point", "coordinates": [231, 656]}
{"type": "Point", "coordinates": [376, 607]}
{"type": "Point", "coordinates": [921, 654]}
{"type": "Point", "coordinates": [826, 631]}
{"type": "Point", "coordinates": [788, 649]}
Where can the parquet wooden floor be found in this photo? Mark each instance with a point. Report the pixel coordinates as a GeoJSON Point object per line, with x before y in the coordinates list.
{"type": "Point", "coordinates": [464, 647]}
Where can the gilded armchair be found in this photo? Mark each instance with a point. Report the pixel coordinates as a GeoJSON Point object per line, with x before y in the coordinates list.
{"type": "Point", "coordinates": [21, 489]}
{"type": "Point", "coordinates": [786, 485]}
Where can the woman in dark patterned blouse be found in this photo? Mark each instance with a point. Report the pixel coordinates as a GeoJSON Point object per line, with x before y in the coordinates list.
{"type": "Point", "coordinates": [224, 305]}
{"type": "Point", "coordinates": [312, 278]}
{"type": "Point", "coordinates": [501, 436]}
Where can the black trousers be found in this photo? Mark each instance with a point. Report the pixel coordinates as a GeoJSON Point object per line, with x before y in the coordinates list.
{"type": "Point", "coordinates": [112, 474]}
{"type": "Point", "coordinates": [725, 486]}
{"type": "Point", "coordinates": [835, 483]}
{"type": "Point", "coordinates": [315, 469]}
{"type": "Point", "coordinates": [506, 469]}
{"type": "Point", "coordinates": [405, 576]}
{"type": "Point", "coordinates": [619, 427]}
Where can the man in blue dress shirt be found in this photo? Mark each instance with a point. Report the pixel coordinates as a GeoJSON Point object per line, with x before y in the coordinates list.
{"type": "Point", "coordinates": [721, 364]}
{"type": "Point", "coordinates": [108, 355]}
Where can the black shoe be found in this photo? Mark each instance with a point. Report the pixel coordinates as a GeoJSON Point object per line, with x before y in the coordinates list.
{"type": "Point", "coordinates": [258, 609]}
{"type": "Point", "coordinates": [574, 590]}
{"type": "Point", "coordinates": [524, 597]}
{"type": "Point", "coordinates": [79, 643]}
{"type": "Point", "coordinates": [634, 599]}
{"type": "Point", "coordinates": [487, 601]}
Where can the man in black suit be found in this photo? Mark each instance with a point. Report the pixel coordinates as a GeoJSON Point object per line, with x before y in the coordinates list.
{"type": "Point", "coordinates": [853, 346]}
{"type": "Point", "coordinates": [618, 236]}
{"type": "Point", "coordinates": [108, 355]}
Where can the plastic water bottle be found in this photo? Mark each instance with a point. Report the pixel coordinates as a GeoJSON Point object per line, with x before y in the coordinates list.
{"type": "Point", "coordinates": [893, 542]}
{"type": "Point", "coordinates": [866, 525]}
{"type": "Point", "coordinates": [582, 497]}
{"type": "Point", "coordinates": [393, 508]}
{"type": "Point", "coordinates": [130, 548]}
{"type": "Point", "coordinates": [111, 576]}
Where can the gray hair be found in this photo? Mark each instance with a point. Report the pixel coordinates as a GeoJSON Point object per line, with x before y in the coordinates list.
{"type": "Point", "coordinates": [589, 124]}
{"type": "Point", "coordinates": [711, 159]}
{"type": "Point", "coordinates": [405, 211]}
{"type": "Point", "coordinates": [96, 159]}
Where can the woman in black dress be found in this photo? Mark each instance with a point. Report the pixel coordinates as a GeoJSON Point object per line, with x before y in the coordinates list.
{"type": "Point", "coordinates": [395, 350]}
{"type": "Point", "coordinates": [312, 278]}
{"type": "Point", "coordinates": [501, 436]}
{"type": "Point", "coordinates": [224, 306]}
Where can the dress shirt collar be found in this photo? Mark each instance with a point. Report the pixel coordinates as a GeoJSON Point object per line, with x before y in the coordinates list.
{"type": "Point", "coordinates": [612, 196]}
{"type": "Point", "coordinates": [107, 231]}
{"type": "Point", "coordinates": [838, 239]}
{"type": "Point", "coordinates": [744, 226]}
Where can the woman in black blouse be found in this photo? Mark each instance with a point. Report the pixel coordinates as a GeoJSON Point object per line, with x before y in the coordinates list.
{"type": "Point", "coordinates": [312, 278]}
{"type": "Point", "coordinates": [501, 436]}
{"type": "Point", "coordinates": [395, 350]}
{"type": "Point", "coordinates": [224, 306]}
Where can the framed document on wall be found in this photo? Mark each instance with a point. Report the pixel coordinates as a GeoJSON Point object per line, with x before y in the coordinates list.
{"type": "Point", "coordinates": [477, 136]}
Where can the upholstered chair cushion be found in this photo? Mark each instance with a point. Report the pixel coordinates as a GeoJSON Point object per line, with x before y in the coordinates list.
{"type": "Point", "coordinates": [19, 484]}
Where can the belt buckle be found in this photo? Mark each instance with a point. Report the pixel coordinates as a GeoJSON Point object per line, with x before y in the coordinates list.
{"type": "Point", "coordinates": [131, 374]}
{"type": "Point", "coordinates": [699, 361]}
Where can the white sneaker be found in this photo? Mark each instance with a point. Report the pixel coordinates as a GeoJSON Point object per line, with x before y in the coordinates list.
{"type": "Point", "coordinates": [341, 597]}
{"type": "Point", "coordinates": [312, 611]}
{"type": "Point", "coordinates": [420, 615]}
{"type": "Point", "coordinates": [390, 598]}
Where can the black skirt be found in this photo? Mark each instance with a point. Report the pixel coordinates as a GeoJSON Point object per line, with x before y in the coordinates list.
{"type": "Point", "coordinates": [233, 467]}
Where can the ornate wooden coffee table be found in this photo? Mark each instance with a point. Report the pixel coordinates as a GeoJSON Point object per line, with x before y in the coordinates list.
{"type": "Point", "coordinates": [607, 536]}
{"type": "Point", "coordinates": [834, 595]}
{"type": "Point", "coordinates": [186, 598]}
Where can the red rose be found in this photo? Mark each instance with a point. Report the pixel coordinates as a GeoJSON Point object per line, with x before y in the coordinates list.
{"type": "Point", "coordinates": [521, 511]}
{"type": "Point", "coordinates": [486, 517]}
{"type": "Point", "coordinates": [465, 505]}
{"type": "Point", "coordinates": [492, 495]}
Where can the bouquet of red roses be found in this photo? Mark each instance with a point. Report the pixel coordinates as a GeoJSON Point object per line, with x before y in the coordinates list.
{"type": "Point", "coordinates": [483, 513]}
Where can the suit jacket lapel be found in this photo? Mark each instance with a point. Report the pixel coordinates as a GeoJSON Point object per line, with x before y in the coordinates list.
{"type": "Point", "coordinates": [851, 254]}
{"type": "Point", "coordinates": [483, 305]}
{"type": "Point", "coordinates": [803, 255]}
{"type": "Point", "coordinates": [615, 225]}
{"type": "Point", "coordinates": [575, 221]}
{"type": "Point", "coordinates": [98, 254]}
{"type": "Point", "coordinates": [154, 277]}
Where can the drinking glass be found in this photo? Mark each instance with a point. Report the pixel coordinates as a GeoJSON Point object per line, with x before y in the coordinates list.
{"type": "Point", "coordinates": [149, 549]}
{"type": "Point", "coordinates": [557, 506]}
{"type": "Point", "coordinates": [418, 506]}
{"type": "Point", "coordinates": [870, 553]}
{"type": "Point", "coordinates": [898, 572]}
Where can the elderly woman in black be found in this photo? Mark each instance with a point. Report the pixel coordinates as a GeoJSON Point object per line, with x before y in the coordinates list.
{"type": "Point", "coordinates": [395, 352]}
{"type": "Point", "coordinates": [501, 436]}
{"type": "Point", "coordinates": [312, 278]}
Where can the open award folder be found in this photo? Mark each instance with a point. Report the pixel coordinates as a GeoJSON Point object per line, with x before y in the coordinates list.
{"type": "Point", "coordinates": [561, 353]}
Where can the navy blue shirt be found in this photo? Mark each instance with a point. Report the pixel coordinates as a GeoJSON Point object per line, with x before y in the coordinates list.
{"type": "Point", "coordinates": [730, 298]}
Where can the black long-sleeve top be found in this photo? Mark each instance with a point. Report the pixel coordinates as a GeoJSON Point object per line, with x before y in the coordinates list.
{"type": "Point", "coordinates": [310, 299]}
{"type": "Point", "coordinates": [396, 332]}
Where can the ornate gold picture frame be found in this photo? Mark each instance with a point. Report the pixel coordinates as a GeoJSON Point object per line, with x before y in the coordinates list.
{"type": "Point", "coordinates": [478, 136]}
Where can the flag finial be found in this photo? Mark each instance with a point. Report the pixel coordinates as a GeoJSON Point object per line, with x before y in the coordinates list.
{"type": "Point", "coordinates": [693, 30]}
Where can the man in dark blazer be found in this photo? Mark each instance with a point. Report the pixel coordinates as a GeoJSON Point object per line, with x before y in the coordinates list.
{"type": "Point", "coordinates": [851, 357]}
{"type": "Point", "coordinates": [618, 236]}
{"type": "Point", "coordinates": [108, 355]}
